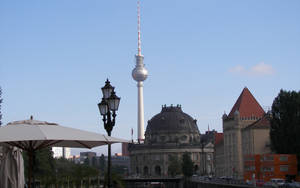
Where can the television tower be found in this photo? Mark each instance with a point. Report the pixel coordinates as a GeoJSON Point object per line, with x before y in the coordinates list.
{"type": "Point", "coordinates": [139, 74]}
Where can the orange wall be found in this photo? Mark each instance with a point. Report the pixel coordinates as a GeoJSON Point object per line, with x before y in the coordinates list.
{"type": "Point", "coordinates": [251, 161]}
{"type": "Point", "coordinates": [271, 162]}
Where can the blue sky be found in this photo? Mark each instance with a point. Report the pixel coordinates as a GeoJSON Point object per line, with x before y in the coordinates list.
{"type": "Point", "coordinates": [55, 56]}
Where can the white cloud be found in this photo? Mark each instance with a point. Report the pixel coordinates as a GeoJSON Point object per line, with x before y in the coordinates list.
{"type": "Point", "coordinates": [260, 69]}
{"type": "Point", "coordinates": [238, 69]}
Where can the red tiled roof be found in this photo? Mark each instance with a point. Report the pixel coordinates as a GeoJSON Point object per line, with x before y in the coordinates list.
{"type": "Point", "coordinates": [262, 123]}
{"type": "Point", "coordinates": [218, 138]}
{"type": "Point", "coordinates": [247, 105]}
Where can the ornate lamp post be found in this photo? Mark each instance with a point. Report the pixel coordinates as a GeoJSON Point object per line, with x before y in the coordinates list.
{"type": "Point", "coordinates": [108, 107]}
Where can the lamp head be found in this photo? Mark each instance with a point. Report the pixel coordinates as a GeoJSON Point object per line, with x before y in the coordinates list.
{"type": "Point", "coordinates": [113, 101]}
{"type": "Point", "coordinates": [103, 107]}
{"type": "Point", "coordinates": [107, 89]}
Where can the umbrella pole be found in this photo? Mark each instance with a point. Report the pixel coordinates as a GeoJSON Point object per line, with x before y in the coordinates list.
{"type": "Point", "coordinates": [30, 160]}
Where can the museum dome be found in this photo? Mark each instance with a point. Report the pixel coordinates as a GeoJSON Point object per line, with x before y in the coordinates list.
{"type": "Point", "coordinates": [172, 125]}
{"type": "Point", "coordinates": [172, 119]}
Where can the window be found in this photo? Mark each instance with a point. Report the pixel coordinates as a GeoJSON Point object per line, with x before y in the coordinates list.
{"type": "Point", "coordinates": [146, 170]}
{"type": "Point", "coordinates": [208, 157]}
{"type": "Point", "coordinates": [157, 170]}
{"type": "Point", "coordinates": [283, 158]}
{"type": "Point", "coordinates": [157, 157]}
{"type": "Point", "coordinates": [284, 168]}
{"type": "Point", "coordinates": [249, 168]}
{"type": "Point", "coordinates": [196, 156]}
{"type": "Point", "coordinates": [267, 169]}
{"type": "Point", "coordinates": [249, 158]}
{"type": "Point", "coordinates": [268, 158]}
{"type": "Point", "coordinates": [184, 137]}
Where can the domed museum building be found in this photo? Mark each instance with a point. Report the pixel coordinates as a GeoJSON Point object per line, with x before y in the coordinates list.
{"type": "Point", "coordinates": [170, 133]}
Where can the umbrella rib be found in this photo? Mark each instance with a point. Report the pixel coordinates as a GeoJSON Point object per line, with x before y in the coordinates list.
{"type": "Point", "coordinates": [48, 143]}
{"type": "Point", "coordinates": [34, 144]}
{"type": "Point", "coordinates": [106, 139]}
{"type": "Point", "coordinates": [22, 145]}
{"type": "Point", "coordinates": [25, 144]}
{"type": "Point", "coordinates": [30, 145]}
{"type": "Point", "coordinates": [16, 145]}
{"type": "Point", "coordinates": [83, 144]}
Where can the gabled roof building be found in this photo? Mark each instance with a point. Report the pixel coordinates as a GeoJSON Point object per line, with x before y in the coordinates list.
{"type": "Point", "coordinates": [245, 131]}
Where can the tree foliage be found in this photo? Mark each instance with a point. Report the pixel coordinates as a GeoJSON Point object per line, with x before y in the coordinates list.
{"type": "Point", "coordinates": [285, 123]}
{"type": "Point", "coordinates": [43, 165]}
{"type": "Point", "coordinates": [116, 181]}
{"type": "Point", "coordinates": [102, 163]}
{"type": "Point", "coordinates": [174, 167]}
{"type": "Point", "coordinates": [187, 165]}
{"type": "Point", "coordinates": [60, 172]}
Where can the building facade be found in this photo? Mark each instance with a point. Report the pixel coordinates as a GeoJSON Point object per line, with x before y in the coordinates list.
{"type": "Point", "coordinates": [256, 137]}
{"type": "Point", "coordinates": [245, 112]}
{"type": "Point", "coordinates": [170, 133]}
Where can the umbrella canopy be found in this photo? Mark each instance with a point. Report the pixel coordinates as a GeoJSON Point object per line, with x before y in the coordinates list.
{"type": "Point", "coordinates": [32, 135]}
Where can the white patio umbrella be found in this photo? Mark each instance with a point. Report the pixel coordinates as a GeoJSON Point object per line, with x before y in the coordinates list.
{"type": "Point", "coordinates": [32, 135]}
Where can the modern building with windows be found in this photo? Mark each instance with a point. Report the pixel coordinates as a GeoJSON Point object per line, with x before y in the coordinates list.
{"type": "Point", "coordinates": [268, 166]}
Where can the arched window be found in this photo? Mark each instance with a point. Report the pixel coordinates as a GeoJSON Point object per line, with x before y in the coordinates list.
{"type": "Point", "coordinates": [196, 169]}
{"type": "Point", "coordinates": [146, 171]}
{"type": "Point", "coordinates": [157, 170]}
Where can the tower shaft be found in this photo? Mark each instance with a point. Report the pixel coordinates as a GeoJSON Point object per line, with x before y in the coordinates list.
{"type": "Point", "coordinates": [140, 118]}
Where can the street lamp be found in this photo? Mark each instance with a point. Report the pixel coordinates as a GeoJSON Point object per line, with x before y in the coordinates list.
{"type": "Point", "coordinates": [108, 107]}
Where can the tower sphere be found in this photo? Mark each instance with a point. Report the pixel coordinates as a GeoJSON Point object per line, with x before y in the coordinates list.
{"type": "Point", "coordinates": [139, 74]}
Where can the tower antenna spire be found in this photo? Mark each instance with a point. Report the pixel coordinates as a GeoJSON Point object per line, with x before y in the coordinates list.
{"type": "Point", "coordinates": [139, 27]}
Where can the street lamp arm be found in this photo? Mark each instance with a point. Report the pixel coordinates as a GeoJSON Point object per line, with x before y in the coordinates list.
{"type": "Point", "coordinates": [114, 118]}
{"type": "Point", "coordinates": [104, 119]}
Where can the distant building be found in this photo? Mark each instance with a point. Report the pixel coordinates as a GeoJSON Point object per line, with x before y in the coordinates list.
{"type": "Point", "coordinates": [120, 160]}
{"type": "Point", "coordinates": [267, 166]}
{"type": "Point", "coordinates": [59, 152]}
{"type": "Point", "coordinates": [125, 151]}
{"type": "Point", "coordinates": [219, 155]}
{"type": "Point", "coordinates": [171, 133]}
{"type": "Point", "coordinates": [246, 131]}
{"type": "Point", "coordinates": [87, 157]}
{"type": "Point", "coordinates": [75, 159]}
